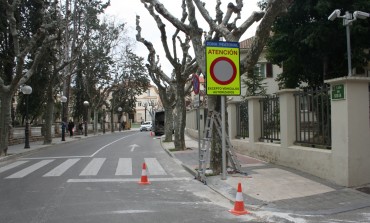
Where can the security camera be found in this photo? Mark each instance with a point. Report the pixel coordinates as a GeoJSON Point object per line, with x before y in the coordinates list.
{"type": "Point", "coordinates": [334, 15]}
{"type": "Point", "coordinates": [361, 15]}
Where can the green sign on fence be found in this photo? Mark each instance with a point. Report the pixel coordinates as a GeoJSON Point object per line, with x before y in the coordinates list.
{"type": "Point", "coordinates": [337, 92]}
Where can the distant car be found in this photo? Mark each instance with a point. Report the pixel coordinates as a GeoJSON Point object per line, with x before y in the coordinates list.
{"type": "Point", "coordinates": [146, 126]}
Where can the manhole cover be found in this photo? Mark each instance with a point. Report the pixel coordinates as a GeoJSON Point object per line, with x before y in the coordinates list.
{"type": "Point", "coordinates": [365, 190]}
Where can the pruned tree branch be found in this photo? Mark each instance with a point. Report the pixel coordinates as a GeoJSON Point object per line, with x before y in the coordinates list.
{"type": "Point", "coordinates": [159, 7]}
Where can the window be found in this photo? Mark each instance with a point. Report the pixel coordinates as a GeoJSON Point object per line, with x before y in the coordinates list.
{"type": "Point", "coordinates": [139, 104]}
{"type": "Point", "coordinates": [263, 69]}
{"type": "Point", "coordinates": [148, 92]}
{"type": "Point", "coordinates": [259, 69]}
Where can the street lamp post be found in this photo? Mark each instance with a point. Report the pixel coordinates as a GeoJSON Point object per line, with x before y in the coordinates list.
{"type": "Point", "coordinates": [63, 99]}
{"type": "Point", "coordinates": [347, 21]}
{"type": "Point", "coordinates": [104, 107]}
{"type": "Point", "coordinates": [145, 106]}
{"type": "Point", "coordinates": [27, 90]}
{"type": "Point", "coordinates": [86, 104]}
{"type": "Point", "coordinates": [119, 120]}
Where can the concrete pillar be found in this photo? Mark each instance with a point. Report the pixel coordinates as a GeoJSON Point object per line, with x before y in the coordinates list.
{"type": "Point", "coordinates": [287, 117]}
{"type": "Point", "coordinates": [231, 111]}
{"type": "Point", "coordinates": [254, 112]}
{"type": "Point", "coordinates": [350, 130]}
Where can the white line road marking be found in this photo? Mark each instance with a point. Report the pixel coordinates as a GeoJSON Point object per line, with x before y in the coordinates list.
{"type": "Point", "coordinates": [92, 155]}
{"type": "Point", "coordinates": [11, 166]}
{"type": "Point", "coordinates": [122, 180]}
{"type": "Point", "coordinates": [55, 157]}
{"type": "Point", "coordinates": [124, 166]}
{"type": "Point", "coordinates": [29, 169]}
{"type": "Point", "coordinates": [59, 170]}
{"type": "Point", "coordinates": [154, 168]}
{"type": "Point", "coordinates": [110, 144]}
{"type": "Point", "coordinates": [132, 211]}
{"type": "Point", "coordinates": [133, 147]}
{"type": "Point", "coordinates": [93, 167]}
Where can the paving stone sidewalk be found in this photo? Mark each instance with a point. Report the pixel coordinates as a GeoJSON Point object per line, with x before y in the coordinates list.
{"type": "Point", "coordinates": [276, 188]}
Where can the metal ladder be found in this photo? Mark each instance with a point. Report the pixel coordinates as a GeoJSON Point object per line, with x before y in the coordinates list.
{"type": "Point", "coordinates": [214, 118]}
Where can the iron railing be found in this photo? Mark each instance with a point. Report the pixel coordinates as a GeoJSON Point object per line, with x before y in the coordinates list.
{"type": "Point", "coordinates": [313, 117]}
{"type": "Point", "coordinates": [242, 120]}
{"type": "Point", "coordinates": [270, 118]}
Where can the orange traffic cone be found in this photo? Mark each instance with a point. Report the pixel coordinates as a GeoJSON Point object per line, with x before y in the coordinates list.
{"type": "Point", "coordinates": [144, 177]}
{"type": "Point", "coordinates": [239, 203]}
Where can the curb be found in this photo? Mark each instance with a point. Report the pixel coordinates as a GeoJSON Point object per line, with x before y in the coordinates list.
{"type": "Point", "coordinates": [26, 152]}
{"type": "Point", "coordinates": [42, 147]}
{"type": "Point", "coordinates": [33, 150]}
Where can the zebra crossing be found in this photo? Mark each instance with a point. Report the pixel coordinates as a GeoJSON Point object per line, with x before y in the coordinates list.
{"type": "Point", "coordinates": [124, 167]}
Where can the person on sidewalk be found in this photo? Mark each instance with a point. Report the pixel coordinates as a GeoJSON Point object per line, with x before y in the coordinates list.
{"type": "Point", "coordinates": [71, 125]}
{"type": "Point", "coordinates": [80, 128]}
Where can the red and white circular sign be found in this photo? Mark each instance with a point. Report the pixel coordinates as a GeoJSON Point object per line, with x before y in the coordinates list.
{"type": "Point", "coordinates": [223, 70]}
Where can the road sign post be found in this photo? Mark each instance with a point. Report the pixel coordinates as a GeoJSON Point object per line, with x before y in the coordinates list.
{"type": "Point", "coordinates": [223, 78]}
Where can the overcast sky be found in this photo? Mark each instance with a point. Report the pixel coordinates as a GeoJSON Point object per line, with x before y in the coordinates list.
{"type": "Point", "coordinates": [126, 11]}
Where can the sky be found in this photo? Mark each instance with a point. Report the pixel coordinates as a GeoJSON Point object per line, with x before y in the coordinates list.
{"type": "Point", "coordinates": [126, 11]}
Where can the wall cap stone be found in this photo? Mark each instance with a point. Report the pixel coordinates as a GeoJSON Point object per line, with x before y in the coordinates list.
{"type": "Point", "coordinates": [347, 79]}
{"type": "Point", "coordinates": [288, 90]}
{"type": "Point", "coordinates": [254, 97]}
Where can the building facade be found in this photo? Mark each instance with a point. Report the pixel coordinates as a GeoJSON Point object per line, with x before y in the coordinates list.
{"type": "Point", "coordinates": [146, 104]}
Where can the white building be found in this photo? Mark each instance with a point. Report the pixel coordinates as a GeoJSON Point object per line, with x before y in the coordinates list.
{"type": "Point", "coordinates": [146, 104]}
{"type": "Point", "coordinates": [263, 67]}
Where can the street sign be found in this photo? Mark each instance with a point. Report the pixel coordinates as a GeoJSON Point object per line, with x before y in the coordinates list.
{"type": "Point", "coordinates": [196, 84]}
{"type": "Point", "coordinates": [338, 92]}
{"type": "Point", "coordinates": [222, 68]}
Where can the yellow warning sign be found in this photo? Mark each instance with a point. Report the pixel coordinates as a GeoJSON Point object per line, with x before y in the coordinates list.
{"type": "Point", "coordinates": [222, 68]}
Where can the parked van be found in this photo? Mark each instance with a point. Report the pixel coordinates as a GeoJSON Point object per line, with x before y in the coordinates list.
{"type": "Point", "coordinates": [158, 123]}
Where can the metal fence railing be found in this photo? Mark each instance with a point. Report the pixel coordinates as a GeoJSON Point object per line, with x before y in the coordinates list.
{"type": "Point", "coordinates": [270, 118]}
{"type": "Point", "coordinates": [242, 120]}
{"type": "Point", "coordinates": [313, 117]}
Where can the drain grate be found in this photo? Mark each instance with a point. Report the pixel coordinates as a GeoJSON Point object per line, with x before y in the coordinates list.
{"type": "Point", "coordinates": [365, 190]}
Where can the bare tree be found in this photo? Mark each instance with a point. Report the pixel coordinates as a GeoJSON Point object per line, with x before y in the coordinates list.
{"type": "Point", "coordinates": [161, 80]}
{"type": "Point", "coordinates": [222, 26]}
{"type": "Point", "coordinates": [182, 69]}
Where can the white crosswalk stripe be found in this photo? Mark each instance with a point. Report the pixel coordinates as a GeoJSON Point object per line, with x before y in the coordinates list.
{"type": "Point", "coordinates": [29, 169]}
{"type": "Point", "coordinates": [11, 166]}
{"type": "Point", "coordinates": [93, 167]}
{"type": "Point", "coordinates": [154, 168]}
{"type": "Point", "coordinates": [59, 170]}
{"type": "Point", "coordinates": [124, 167]}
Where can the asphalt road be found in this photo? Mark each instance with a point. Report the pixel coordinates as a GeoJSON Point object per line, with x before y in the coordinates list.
{"type": "Point", "coordinates": [96, 180]}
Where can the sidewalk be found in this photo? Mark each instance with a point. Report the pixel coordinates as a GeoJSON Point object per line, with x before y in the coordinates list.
{"type": "Point", "coordinates": [275, 188]}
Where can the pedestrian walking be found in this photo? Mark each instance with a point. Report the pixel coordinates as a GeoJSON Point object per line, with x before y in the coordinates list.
{"type": "Point", "coordinates": [71, 125]}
